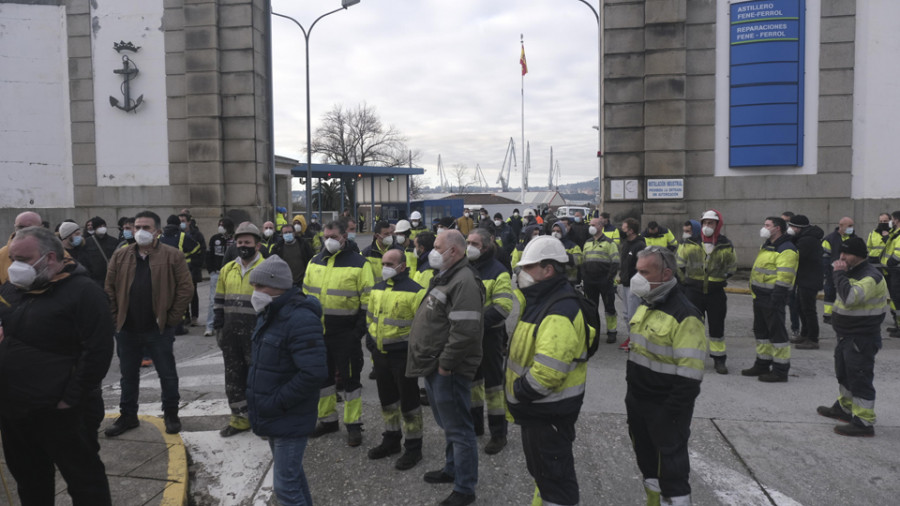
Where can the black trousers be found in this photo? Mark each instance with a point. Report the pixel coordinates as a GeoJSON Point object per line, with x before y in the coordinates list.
{"type": "Point", "coordinates": [854, 367]}
{"type": "Point", "coordinates": [393, 387]}
{"type": "Point", "coordinates": [34, 442]}
{"type": "Point", "coordinates": [713, 304]}
{"type": "Point", "coordinates": [772, 344]}
{"type": "Point", "coordinates": [661, 443]}
{"type": "Point", "coordinates": [491, 374]}
{"type": "Point", "coordinates": [809, 323]}
{"type": "Point", "coordinates": [548, 456]}
{"type": "Point", "coordinates": [234, 341]}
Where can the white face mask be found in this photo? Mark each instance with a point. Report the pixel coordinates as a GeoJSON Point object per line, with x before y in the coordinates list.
{"type": "Point", "coordinates": [472, 252]}
{"type": "Point", "coordinates": [101, 231]}
{"type": "Point", "coordinates": [708, 231]}
{"type": "Point", "coordinates": [515, 215]}
{"type": "Point", "coordinates": [592, 230]}
{"type": "Point", "coordinates": [332, 245]}
{"type": "Point", "coordinates": [260, 300]}
{"type": "Point", "coordinates": [298, 228]}
{"type": "Point", "coordinates": [415, 223]}
{"type": "Point", "coordinates": [686, 235]}
{"type": "Point", "coordinates": [183, 225]}
{"type": "Point", "coordinates": [466, 215]}
{"type": "Point", "coordinates": [435, 259]}
{"type": "Point", "coordinates": [387, 240]}
{"type": "Point", "coordinates": [23, 274]}
{"type": "Point", "coordinates": [268, 232]}
{"type": "Point", "coordinates": [524, 280]}
{"type": "Point", "coordinates": [498, 223]}
{"type": "Point", "coordinates": [143, 238]}
{"type": "Point", "coordinates": [221, 229]}
{"type": "Point", "coordinates": [557, 235]}
{"type": "Point", "coordinates": [790, 231]}
{"type": "Point", "coordinates": [849, 230]}
{"type": "Point", "coordinates": [764, 233]}
{"type": "Point", "coordinates": [640, 286]}
{"type": "Point", "coordinates": [312, 220]}
{"type": "Point", "coordinates": [401, 239]}
{"type": "Point", "coordinates": [388, 272]}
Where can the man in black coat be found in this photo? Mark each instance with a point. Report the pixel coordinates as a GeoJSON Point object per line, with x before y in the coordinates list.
{"type": "Point", "coordinates": [56, 345]}
{"type": "Point", "coordinates": [97, 250]}
{"type": "Point", "coordinates": [808, 240]}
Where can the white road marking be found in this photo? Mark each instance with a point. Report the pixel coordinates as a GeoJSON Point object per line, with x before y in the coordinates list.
{"type": "Point", "coordinates": [228, 469]}
{"type": "Point", "coordinates": [200, 407]}
{"type": "Point", "coordinates": [734, 488]}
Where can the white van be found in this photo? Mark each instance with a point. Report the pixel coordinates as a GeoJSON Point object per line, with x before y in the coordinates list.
{"type": "Point", "coordinates": [563, 211]}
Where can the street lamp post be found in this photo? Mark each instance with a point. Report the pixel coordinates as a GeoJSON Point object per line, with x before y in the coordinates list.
{"type": "Point", "coordinates": [306, 34]}
{"type": "Point", "coordinates": [600, 153]}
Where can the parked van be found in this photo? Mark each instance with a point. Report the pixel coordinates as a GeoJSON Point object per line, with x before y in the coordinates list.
{"type": "Point", "coordinates": [564, 211]}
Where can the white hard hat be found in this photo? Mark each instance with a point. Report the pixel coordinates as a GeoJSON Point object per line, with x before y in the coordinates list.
{"type": "Point", "coordinates": [529, 212]}
{"type": "Point", "coordinates": [402, 226]}
{"type": "Point", "coordinates": [416, 215]}
{"type": "Point", "coordinates": [710, 215]}
{"type": "Point", "coordinates": [543, 247]}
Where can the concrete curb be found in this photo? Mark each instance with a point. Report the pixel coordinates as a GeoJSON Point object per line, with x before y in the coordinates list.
{"type": "Point", "coordinates": [175, 494]}
{"type": "Point", "coordinates": [746, 291]}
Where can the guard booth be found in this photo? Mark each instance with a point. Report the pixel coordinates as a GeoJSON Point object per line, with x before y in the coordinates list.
{"type": "Point", "coordinates": [376, 189]}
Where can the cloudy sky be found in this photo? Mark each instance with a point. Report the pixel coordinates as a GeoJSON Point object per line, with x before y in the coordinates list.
{"type": "Point", "coordinates": [446, 74]}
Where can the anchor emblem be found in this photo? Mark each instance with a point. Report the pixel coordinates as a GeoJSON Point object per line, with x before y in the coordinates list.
{"type": "Point", "coordinates": [129, 70]}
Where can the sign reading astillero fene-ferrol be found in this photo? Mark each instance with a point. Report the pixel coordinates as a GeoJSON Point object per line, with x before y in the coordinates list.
{"type": "Point", "coordinates": [766, 102]}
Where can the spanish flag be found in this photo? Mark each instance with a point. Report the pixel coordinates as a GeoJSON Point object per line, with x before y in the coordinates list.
{"type": "Point", "coordinates": [523, 62]}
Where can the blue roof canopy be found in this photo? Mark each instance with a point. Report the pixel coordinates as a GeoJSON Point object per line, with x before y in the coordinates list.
{"type": "Point", "coordinates": [322, 170]}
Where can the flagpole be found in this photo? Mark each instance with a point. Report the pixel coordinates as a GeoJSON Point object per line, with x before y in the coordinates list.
{"type": "Point", "coordinates": [524, 168]}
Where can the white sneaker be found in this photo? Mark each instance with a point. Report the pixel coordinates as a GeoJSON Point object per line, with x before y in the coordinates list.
{"type": "Point", "coordinates": [209, 333]}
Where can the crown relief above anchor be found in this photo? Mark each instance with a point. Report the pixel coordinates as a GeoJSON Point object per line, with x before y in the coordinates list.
{"type": "Point", "coordinates": [129, 71]}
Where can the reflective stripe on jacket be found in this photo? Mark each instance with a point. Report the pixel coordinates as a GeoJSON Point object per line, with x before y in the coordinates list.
{"type": "Point", "coordinates": [342, 282]}
{"type": "Point", "coordinates": [696, 267]}
{"type": "Point", "coordinates": [861, 303]}
{"type": "Point", "coordinates": [498, 296]}
{"type": "Point", "coordinates": [233, 290]}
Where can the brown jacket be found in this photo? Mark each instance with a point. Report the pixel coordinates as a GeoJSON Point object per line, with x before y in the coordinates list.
{"type": "Point", "coordinates": [170, 280]}
{"type": "Point", "coordinates": [5, 261]}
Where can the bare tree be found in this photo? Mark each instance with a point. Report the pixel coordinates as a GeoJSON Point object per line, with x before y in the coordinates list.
{"type": "Point", "coordinates": [416, 187]}
{"type": "Point", "coordinates": [460, 174]}
{"type": "Point", "coordinates": [358, 137]}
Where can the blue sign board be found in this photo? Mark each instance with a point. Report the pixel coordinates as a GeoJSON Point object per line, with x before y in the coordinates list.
{"type": "Point", "coordinates": [766, 83]}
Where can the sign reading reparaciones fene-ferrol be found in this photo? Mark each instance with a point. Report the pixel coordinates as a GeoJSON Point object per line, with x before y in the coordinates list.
{"type": "Point", "coordinates": [766, 102]}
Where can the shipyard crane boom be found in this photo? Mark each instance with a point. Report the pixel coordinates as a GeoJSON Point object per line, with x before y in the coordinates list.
{"type": "Point", "coordinates": [550, 180]}
{"type": "Point", "coordinates": [509, 160]}
{"type": "Point", "coordinates": [480, 179]}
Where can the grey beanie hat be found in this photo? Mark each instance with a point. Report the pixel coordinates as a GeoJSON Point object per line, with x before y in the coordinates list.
{"type": "Point", "coordinates": [66, 229]}
{"type": "Point", "coordinates": [273, 272]}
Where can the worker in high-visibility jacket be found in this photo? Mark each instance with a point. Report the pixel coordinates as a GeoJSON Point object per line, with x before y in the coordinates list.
{"type": "Point", "coordinates": [424, 242]}
{"type": "Point", "coordinates": [705, 262]}
{"type": "Point", "coordinates": [528, 233]}
{"type": "Point", "coordinates": [546, 370]}
{"type": "Point", "coordinates": [858, 313]}
{"type": "Point", "coordinates": [663, 374]}
{"type": "Point", "coordinates": [560, 231]}
{"type": "Point", "coordinates": [382, 240]}
{"type": "Point", "coordinates": [235, 320]}
{"type": "Point", "coordinates": [890, 259]}
{"type": "Point", "coordinates": [609, 229]}
{"type": "Point", "coordinates": [598, 274]}
{"type": "Point", "coordinates": [392, 306]}
{"type": "Point", "coordinates": [878, 238]}
{"type": "Point", "coordinates": [771, 280]}
{"type": "Point", "coordinates": [831, 251]}
{"type": "Point", "coordinates": [498, 304]}
{"type": "Point", "coordinates": [658, 235]}
{"type": "Point", "coordinates": [416, 226]}
{"type": "Point", "coordinates": [342, 281]}
{"type": "Point", "coordinates": [403, 240]}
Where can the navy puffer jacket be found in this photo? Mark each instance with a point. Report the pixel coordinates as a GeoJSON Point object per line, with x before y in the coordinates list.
{"type": "Point", "coordinates": [287, 367]}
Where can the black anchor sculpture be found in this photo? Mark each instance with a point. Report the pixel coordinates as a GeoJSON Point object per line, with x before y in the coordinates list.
{"type": "Point", "coordinates": [129, 70]}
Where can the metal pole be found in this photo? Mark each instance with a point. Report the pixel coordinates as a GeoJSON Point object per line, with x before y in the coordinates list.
{"type": "Point", "coordinates": [522, 40]}
{"type": "Point", "coordinates": [270, 110]}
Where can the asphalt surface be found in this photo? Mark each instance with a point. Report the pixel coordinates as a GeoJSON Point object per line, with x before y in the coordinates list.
{"type": "Point", "coordinates": [751, 444]}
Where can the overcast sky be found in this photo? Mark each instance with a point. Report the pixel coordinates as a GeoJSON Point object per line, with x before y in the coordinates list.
{"type": "Point", "coordinates": [446, 74]}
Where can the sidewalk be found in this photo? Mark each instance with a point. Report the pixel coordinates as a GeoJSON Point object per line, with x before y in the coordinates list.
{"type": "Point", "coordinates": [145, 466]}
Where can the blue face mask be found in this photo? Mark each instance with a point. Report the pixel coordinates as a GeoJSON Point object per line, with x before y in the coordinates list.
{"type": "Point", "coordinates": [288, 237]}
{"type": "Point", "coordinates": [128, 235]}
{"type": "Point", "coordinates": [183, 225]}
{"type": "Point", "coordinates": [77, 240]}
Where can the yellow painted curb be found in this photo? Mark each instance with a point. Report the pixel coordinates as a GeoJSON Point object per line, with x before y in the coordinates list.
{"type": "Point", "coordinates": [746, 291]}
{"type": "Point", "coordinates": [176, 493]}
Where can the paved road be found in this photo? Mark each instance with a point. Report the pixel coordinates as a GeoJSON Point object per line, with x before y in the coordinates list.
{"type": "Point", "coordinates": [752, 443]}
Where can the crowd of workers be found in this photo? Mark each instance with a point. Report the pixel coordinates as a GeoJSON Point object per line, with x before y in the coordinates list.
{"type": "Point", "coordinates": [291, 305]}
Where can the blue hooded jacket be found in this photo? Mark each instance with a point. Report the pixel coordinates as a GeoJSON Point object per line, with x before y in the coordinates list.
{"type": "Point", "coordinates": [287, 367]}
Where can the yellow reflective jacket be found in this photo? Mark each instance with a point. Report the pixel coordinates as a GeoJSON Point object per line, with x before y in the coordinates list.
{"type": "Point", "coordinates": [392, 307]}
{"type": "Point", "coordinates": [668, 347]}
{"type": "Point", "coordinates": [875, 244]}
{"type": "Point", "coordinates": [342, 282]}
{"type": "Point", "coordinates": [697, 268]}
{"type": "Point", "coordinates": [890, 257]}
{"type": "Point", "coordinates": [861, 302]}
{"type": "Point", "coordinates": [600, 262]}
{"type": "Point", "coordinates": [775, 269]}
{"type": "Point", "coordinates": [545, 374]}
{"type": "Point", "coordinates": [498, 295]}
{"type": "Point", "coordinates": [233, 291]}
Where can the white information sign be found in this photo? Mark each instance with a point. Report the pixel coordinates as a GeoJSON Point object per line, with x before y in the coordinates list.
{"type": "Point", "coordinates": [665, 189]}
